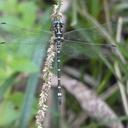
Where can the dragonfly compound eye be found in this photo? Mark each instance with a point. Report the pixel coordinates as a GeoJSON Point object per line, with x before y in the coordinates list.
{"type": "Point", "coordinates": [61, 24]}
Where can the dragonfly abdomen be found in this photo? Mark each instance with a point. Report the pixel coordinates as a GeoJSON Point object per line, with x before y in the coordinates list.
{"type": "Point", "coordinates": [58, 32]}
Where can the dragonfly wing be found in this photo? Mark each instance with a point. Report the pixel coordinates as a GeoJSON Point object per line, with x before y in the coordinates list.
{"type": "Point", "coordinates": [18, 47]}
{"type": "Point", "coordinates": [87, 43]}
{"type": "Point", "coordinates": [86, 50]}
{"type": "Point", "coordinates": [19, 58]}
{"type": "Point", "coordinates": [10, 33]}
{"type": "Point", "coordinates": [91, 34]}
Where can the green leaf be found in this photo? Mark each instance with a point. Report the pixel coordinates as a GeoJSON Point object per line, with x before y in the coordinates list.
{"type": "Point", "coordinates": [95, 7]}
{"type": "Point", "coordinates": [8, 113]}
{"type": "Point", "coordinates": [124, 49]}
{"type": "Point", "coordinates": [29, 95]}
{"type": "Point", "coordinates": [103, 85]}
{"type": "Point", "coordinates": [3, 74]}
{"type": "Point", "coordinates": [10, 6]}
{"type": "Point", "coordinates": [17, 99]}
{"type": "Point", "coordinates": [23, 65]}
{"type": "Point", "coordinates": [8, 84]}
{"type": "Point", "coordinates": [74, 13]}
{"type": "Point", "coordinates": [2, 3]}
{"type": "Point", "coordinates": [38, 56]}
{"type": "Point", "coordinates": [28, 11]}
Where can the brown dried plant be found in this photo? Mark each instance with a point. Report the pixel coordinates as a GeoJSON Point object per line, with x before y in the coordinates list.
{"type": "Point", "coordinates": [47, 75]}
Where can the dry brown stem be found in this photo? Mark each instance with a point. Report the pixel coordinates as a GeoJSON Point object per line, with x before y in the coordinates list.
{"type": "Point", "coordinates": [46, 76]}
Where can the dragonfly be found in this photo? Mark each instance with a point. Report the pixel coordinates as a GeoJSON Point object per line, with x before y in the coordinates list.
{"type": "Point", "coordinates": [83, 43]}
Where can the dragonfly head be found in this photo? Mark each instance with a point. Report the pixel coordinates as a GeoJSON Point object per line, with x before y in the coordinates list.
{"type": "Point", "coordinates": [58, 29]}
{"type": "Point", "coordinates": [57, 24]}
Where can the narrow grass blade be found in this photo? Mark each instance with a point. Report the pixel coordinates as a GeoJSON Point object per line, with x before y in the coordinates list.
{"type": "Point", "coordinates": [7, 84]}
{"type": "Point", "coordinates": [31, 88]}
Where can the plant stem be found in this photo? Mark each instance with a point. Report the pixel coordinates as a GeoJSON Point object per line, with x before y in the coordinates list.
{"type": "Point", "coordinates": [119, 29]}
{"type": "Point", "coordinates": [46, 76]}
{"type": "Point", "coordinates": [107, 15]}
{"type": "Point", "coordinates": [122, 88]}
{"type": "Point", "coordinates": [117, 69]}
{"type": "Point", "coordinates": [59, 3]}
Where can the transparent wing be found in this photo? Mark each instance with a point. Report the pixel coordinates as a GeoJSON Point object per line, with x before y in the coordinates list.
{"type": "Point", "coordinates": [19, 46]}
{"type": "Point", "coordinates": [87, 34]}
{"type": "Point", "coordinates": [34, 30]}
{"type": "Point", "coordinates": [87, 43]}
{"type": "Point", "coordinates": [82, 43]}
{"type": "Point", "coordinates": [10, 33]}
{"type": "Point", "coordinates": [81, 50]}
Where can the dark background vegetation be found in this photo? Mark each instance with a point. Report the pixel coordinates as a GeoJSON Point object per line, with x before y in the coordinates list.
{"type": "Point", "coordinates": [20, 65]}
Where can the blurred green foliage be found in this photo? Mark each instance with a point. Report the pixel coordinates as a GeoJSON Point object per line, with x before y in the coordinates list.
{"type": "Point", "coordinates": [18, 104]}
{"type": "Point", "coordinates": [17, 59]}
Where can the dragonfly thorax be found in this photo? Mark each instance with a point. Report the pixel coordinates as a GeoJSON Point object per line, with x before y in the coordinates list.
{"type": "Point", "coordinates": [58, 30]}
